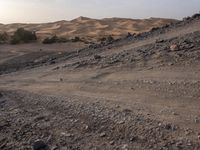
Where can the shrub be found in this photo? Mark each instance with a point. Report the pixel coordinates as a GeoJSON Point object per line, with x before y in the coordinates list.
{"type": "Point", "coordinates": [110, 39]}
{"type": "Point", "coordinates": [51, 40]}
{"type": "Point", "coordinates": [197, 15]}
{"type": "Point", "coordinates": [129, 35]}
{"type": "Point", "coordinates": [4, 37]}
{"type": "Point", "coordinates": [15, 40]}
{"type": "Point", "coordinates": [54, 39]}
{"type": "Point", "coordinates": [154, 29]}
{"type": "Point", "coordinates": [23, 36]}
{"type": "Point", "coordinates": [76, 39]}
{"type": "Point", "coordinates": [62, 40]}
{"type": "Point", "coordinates": [103, 39]}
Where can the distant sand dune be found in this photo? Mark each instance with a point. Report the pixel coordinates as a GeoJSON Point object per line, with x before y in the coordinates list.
{"type": "Point", "coordinates": [88, 28]}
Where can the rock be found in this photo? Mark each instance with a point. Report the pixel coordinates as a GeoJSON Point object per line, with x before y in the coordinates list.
{"type": "Point", "coordinates": [57, 147]}
{"type": "Point", "coordinates": [159, 40]}
{"type": "Point", "coordinates": [103, 134]}
{"type": "Point", "coordinates": [189, 143]}
{"type": "Point", "coordinates": [121, 122]}
{"type": "Point", "coordinates": [125, 147]}
{"type": "Point", "coordinates": [127, 111]}
{"type": "Point", "coordinates": [111, 142]}
{"type": "Point", "coordinates": [196, 120]}
{"type": "Point", "coordinates": [174, 113]}
{"type": "Point", "coordinates": [128, 35]}
{"type": "Point", "coordinates": [187, 46]}
{"type": "Point", "coordinates": [174, 47]}
{"type": "Point", "coordinates": [56, 68]}
{"type": "Point", "coordinates": [179, 144]}
{"type": "Point", "coordinates": [1, 95]}
{"type": "Point", "coordinates": [66, 134]}
{"type": "Point", "coordinates": [52, 62]}
{"type": "Point", "coordinates": [97, 57]}
{"type": "Point", "coordinates": [170, 64]}
{"type": "Point", "coordinates": [40, 145]}
{"type": "Point", "coordinates": [168, 126]}
{"type": "Point", "coordinates": [198, 137]}
{"type": "Point", "coordinates": [133, 139]}
{"type": "Point", "coordinates": [49, 138]}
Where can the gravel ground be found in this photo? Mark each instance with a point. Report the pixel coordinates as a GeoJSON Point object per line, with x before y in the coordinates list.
{"type": "Point", "coordinates": [71, 123]}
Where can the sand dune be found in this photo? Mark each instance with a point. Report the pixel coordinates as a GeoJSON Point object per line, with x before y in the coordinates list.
{"type": "Point", "coordinates": [90, 28]}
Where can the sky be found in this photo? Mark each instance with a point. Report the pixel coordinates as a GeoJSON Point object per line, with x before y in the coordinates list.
{"type": "Point", "coordinates": [40, 11]}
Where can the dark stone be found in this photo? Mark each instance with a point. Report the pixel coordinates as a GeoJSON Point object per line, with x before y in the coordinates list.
{"type": "Point", "coordinates": [40, 145]}
{"type": "Point", "coordinates": [52, 62]}
{"type": "Point", "coordinates": [97, 57]}
{"type": "Point", "coordinates": [168, 126]}
{"type": "Point", "coordinates": [160, 41]}
{"type": "Point", "coordinates": [57, 147]}
{"type": "Point", "coordinates": [1, 95]}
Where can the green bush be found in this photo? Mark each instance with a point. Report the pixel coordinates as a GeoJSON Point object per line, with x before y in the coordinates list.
{"type": "Point", "coordinates": [103, 39]}
{"type": "Point", "coordinates": [110, 39]}
{"type": "Point", "coordinates": [4, 37]}
{"type": "Point", "coordinates": [15, 40]}
{"type": "Point", "coordinates": [23, 36]}
{"type": "Point", "coordinates": [107, 39]}
{"type": "Point", "coordinates": [62, 40]}
{"type": "Point", "coordinates": [54, 39]}
{"type": "Point", "coordinates": [196, 15]}
{"type": "Point", "coordinates": [50, 40]}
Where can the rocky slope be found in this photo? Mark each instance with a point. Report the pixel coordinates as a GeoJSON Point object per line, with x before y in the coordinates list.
{"type": "Point", "coordinates": [138, 92]}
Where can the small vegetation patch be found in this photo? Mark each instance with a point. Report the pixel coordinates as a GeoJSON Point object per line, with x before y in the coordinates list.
{"type": "Point", "coordinates": [107, 39]}
{"type": "Point", "coordinates": [51, 40]}
{"type": "Point", "coordinates": [56, 39]}
{"type": "Point", "coordinates": [23, 36]}
{"type": "Point", "coordinates": [4, 37]}
{"type": "Point", "coordinates": [197, 15]}
{"type": "Point", "coordinates": [76, 39]}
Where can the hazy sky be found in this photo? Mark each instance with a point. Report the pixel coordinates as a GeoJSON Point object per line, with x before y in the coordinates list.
{"type": "Point", "coordinates": [53, 10]}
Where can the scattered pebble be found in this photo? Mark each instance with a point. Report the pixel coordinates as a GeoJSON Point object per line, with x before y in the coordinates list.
{"type": "Point", "coordinates": [111, 142]}
{"type": "Point", "coordinates": [66, 134]}
{"type": "Point", "coordinates": [121, 122]}
{"type": "Point", "coordinates": [125, 147]}
{"type": "Point", "coordinates": [103, 134]}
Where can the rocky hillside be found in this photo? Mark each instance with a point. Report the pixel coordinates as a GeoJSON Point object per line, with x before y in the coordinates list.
{"type": "Point", "coordinates": [138, 92]}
